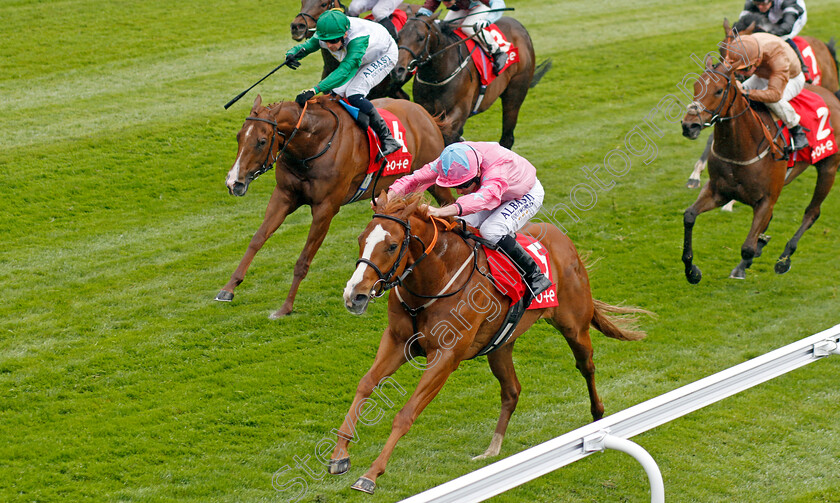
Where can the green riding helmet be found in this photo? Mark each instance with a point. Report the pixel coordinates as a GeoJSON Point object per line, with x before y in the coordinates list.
{"type": "Point", "coordinates": [331, 25]}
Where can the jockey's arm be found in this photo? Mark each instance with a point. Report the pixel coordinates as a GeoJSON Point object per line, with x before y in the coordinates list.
{"type": "Point", "coordinates": [785, 26]}
{"type": "Point", "coordinates": [307, 47]}
{"type": "Point", "coordinates": [775, 83]}
{"type": "Point", "coordinates": [418, 181]}
{"type": "Point", "coordinates": [348, 67]}
{"type": "Point", "coordinates": [487, 197]}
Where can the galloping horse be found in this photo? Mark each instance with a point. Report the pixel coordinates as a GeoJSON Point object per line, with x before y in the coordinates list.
{"type": "Point", "coordinates": [303, 26]}
{"type": "Point", "coordinates": [822, 58]}
{"type": "Point", "coordinates": [744, 167]}
{"type": "Point", "coordinates": [447, 80]}
{"type": "Point", "coordinates": [456, 311]}
{"type": "Point", "coordinates": [322, 158]}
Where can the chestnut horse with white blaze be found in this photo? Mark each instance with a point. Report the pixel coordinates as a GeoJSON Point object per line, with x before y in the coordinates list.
{"type": "Point", "coordinates": [441, 276]}
{"type": "Point", "coordinates": [322, 159]}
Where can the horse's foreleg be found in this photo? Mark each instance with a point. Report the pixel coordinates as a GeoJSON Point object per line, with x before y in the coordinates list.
{"type": "Point", "coordinates": [322, 215]}
{"type": "Point", "coordinates": [389, 357]}
{"type": "Point", "coordinates": [433, 379]}
{"type": "Point", "coordinates": [700, 165]}
{"type": "Point", "coordinates": [825, 179]}
{"type": "Point", "coordinates": [279, 207]}
{"type": "Point", "coordinates": [706, 201]}
{"type": "Point", "coordinates": [762, 213]}
{"type": "Point", "coordinates": [501, 363]}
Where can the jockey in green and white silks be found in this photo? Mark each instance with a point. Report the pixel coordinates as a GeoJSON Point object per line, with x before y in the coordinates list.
{"type": "Point", "coordinates": [366, 55]}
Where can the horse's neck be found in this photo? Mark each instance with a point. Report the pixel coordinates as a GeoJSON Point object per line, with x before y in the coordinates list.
{"type": "Point", "coordinates": [445, 259]}
{"type": "Point", "coordinates": [741, 135]}
{"type": "Point", "coordinates": [442, 65]}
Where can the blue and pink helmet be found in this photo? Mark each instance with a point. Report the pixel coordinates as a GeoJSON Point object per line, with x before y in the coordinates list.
{"type": "Point", "coordinates": [458, 164]}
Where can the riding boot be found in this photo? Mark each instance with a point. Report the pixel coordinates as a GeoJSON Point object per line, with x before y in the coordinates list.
{"type": "Point", "coordinates": [499, 59]}
{"type": "Point", "coordinates": [389, 25]}
{"type": "Point", "coordinates": [798, 139]}
{"type": "Point", "coordinates": [805, 69]}
{"type": "Point", "coordinates": [537, 281]}
{"type": "Point", "coordinates": [387, 143]}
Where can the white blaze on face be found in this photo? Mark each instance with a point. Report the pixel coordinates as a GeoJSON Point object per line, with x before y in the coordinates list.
{"type": "Point", "coordinates": [233, 174]}
{"type": "Point", "coordinates": [376, 236]}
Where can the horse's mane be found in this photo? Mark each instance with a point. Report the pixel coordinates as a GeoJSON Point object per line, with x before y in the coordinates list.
{"type": "Point", "coordinates": [398, 203]}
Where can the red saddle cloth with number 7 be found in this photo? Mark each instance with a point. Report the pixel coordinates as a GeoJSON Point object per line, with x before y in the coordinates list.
{"type": "Point", "coordinates": [482, 61]}
{"type": "Point", "coordinates": [814, 116]}
{"type": "Point", "coordinates": [509, 280]}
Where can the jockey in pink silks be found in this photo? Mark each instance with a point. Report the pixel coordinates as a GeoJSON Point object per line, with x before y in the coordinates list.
{"type": "Point", "coordinates": [499, 193]}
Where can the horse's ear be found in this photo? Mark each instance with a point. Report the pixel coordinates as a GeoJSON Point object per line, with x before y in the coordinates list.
{"type": "Point", "coordinates": [435, 15]}
{"type": "Point", "coordinates": [408, 10]}
{"type": "Point", "coordinates": [410, 209]}
{"type": "Point", "coordinates": [709, 63]}
{"type": "Point", "coordinates": [257, 103]}
{"type": "Point", "coordinates": [381, 201]}
{"type": "Point", "coordinates": [727, 30]}
{"type": "Point", "coordinates": [749, 29]}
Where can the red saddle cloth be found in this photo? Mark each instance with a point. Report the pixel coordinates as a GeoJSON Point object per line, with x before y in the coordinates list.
{"type": "Point", "coordinates": [400, 161]}
{"type": "Point", "coordinates": [508, 279]}
{"type": "Point", "coordinates": [482, 61]}
{"type": "Point", "coordinates": [814, 116]}
{"type": "Point", "coordinates": [398, 17]}
{"type": "Point", "coordinates": [810, 60]}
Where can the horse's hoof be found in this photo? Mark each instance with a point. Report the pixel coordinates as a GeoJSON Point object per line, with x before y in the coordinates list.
{"type": "Point", "coordinates": [224, 296]}
{"type": "Point", "coordinates": [280, 313]}
{"type": "Point", "coordinates": [694, 275]}
{"type": "Point", "coordinates": [339, 466]}
{"type": "Point", "coordinates": [738, 274]}
{"type": "Point", "coordinates": [692, 184]}
{"type": "Point", "coordinates": [783, 265]}
{"type": "Point", "coordinates": [365, 485]}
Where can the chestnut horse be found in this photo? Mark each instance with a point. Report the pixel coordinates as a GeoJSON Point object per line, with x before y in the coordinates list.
{"type": "Point", "coordinates": [322, 157]}
{"type": "Point", "coordinates": [442, 278]}
{"type": "Point", "coordinates": [744, 165]}
{"type": "Point", "coordinates": [823, 57]}
{"type": "Point", "coordinates": [447, 81]}
{"type": "Point", "coordinates": [303, 26]}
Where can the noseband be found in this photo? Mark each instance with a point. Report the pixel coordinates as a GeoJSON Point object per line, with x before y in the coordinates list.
{"type": "Point", "coordinates": [417, 62]}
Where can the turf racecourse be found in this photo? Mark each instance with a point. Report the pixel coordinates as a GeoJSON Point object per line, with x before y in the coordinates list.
{"type": "Point", "coordinates": [121, 379]}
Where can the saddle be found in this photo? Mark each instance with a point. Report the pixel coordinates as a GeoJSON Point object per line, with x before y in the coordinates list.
{"type": "Point", "coordinates": [508, 281]}
{"type": "Point", "coordinates": [482, 60]}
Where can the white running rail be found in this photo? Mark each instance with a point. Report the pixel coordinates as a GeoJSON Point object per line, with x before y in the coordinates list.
{"type": "Point", "coordinates": [612, 431]}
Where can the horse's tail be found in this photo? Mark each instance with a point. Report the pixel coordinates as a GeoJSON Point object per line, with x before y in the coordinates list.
{"type": "Point", "coordinates": [539, 71]}
{"type": "Point", "coordinates": [623, 329]}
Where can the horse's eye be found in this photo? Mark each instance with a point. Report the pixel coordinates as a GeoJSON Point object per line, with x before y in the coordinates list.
{"type": "Point", "coordinates": [420, 38]}
{"type": "Point", "coordinates": [719, 92]}
{"type": "Point", "coordinates": [324, 5]}
{"type": "Point", "coordinates": [262, 142]}
{"type": "Point", "coordinates": [393, 247]}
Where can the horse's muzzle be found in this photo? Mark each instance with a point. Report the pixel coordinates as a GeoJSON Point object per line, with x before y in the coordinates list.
{"type": "Point", "coordinates": [691, 130]}
{"type": "Point", "coordinates": [358, 304]}
{"type": "Point", "coordinates": [399, 74]}
{"type": "Point", "coordinates": [298, 31]}
{"type": "Point", "coordinates": [238, 189]}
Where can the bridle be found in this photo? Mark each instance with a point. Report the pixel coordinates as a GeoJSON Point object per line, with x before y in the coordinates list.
{"type": "Point", "coordinates": [696, 107]}
{"type": "Point", "coordinates": [269, 162]}
{"type": "Point", "coordinates": [390, 279]}
{"type": "Point", "coordinates": [331, 4]}
{"type": "Point", "coordinates": [417, 62]}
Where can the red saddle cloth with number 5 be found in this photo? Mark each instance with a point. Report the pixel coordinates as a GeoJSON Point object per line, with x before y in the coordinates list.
{"type": "Point", "coordinates": [509, 280]}
{"type": "Point", "coordinates": [814, 117]}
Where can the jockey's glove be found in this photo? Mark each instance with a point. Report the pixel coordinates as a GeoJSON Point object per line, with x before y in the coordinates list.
{"type": "Point", "coordinates": [481, 25]}
{"type": "Point", "coordinates": [292, 62]}
{"type": "Point", "coordinates": [305, 96]}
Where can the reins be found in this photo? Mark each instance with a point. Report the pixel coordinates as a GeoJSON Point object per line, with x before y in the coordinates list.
{"type": "Point", "coordinates": [417, 62]}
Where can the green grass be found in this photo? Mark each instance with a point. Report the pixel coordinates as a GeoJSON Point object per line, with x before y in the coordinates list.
{"type": "Point", "coordinates": [121, 379]}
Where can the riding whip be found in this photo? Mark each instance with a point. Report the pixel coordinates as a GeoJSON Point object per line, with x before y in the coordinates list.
{"type": "Point", "coordinates": [236, 98]}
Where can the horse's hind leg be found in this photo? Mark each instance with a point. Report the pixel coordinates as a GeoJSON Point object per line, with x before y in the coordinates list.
{"type": "Point", "coordinates": [512, 100]}
{"type": "Point", "coordinates": [825, 179]}
{"type": "Point", "coordinates": [501, 363]}
{"type": "Point", "coordinates": [700, 165]}
{"type": "Point", "coordinates": [762, 213]}
{"type": "Point", "coordinates": [581, 345]}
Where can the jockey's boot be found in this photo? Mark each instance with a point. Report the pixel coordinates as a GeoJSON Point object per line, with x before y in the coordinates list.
{"type": "Point", "coordinates": [798, 139]}
{"type": "Point", "coordinates": [389, 25]}
{"type": "Point", "coordinates": [536, 280]}
{"type": "Point", "coordinates": [499, 59]}
{"type": "Point", "coordinates": [387, 143]}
